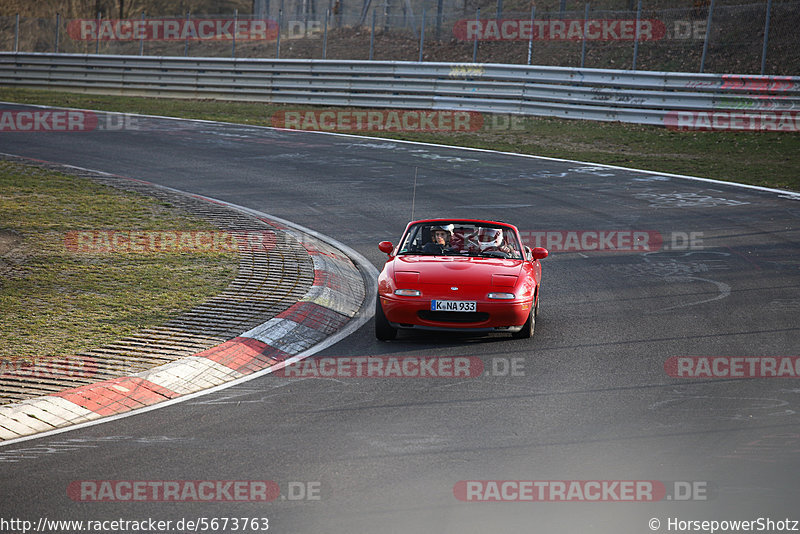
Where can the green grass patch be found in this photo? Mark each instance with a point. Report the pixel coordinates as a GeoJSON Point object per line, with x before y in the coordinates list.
{"type": "Point", "coordinates": [759, 158]}
{"type": "Point", "coordinates": [57, 302]}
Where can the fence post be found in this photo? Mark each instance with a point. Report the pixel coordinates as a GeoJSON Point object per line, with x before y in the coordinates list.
{"type": "Point", "coordinates": [385, 15]}
{"type": "Point", "coordinates": [58, 23]}
{"type": "Point", "coordinates": [186, 41]}
{"type": "Point", "coordinates": [499, 9]}
{"type": "Point", "coordinates": [306, 9]}
{"type": "Point", "coordinates": [422, 34]}
{"type": "Point", "coordinates": [235, 24]}
{"type": "Point", "coordinates": [325, 36]}
{"type": "Point", "coordinates": [530, 40]}
{"type": "Point", "coordinates": [477, 29]}
{"type": "Point", "coordinates": [636, 42]}
{"type": "Point", "coordinates": [141, 40]}
{"type": "Point", "coordinates": [708, 36]}
{"type": "Point", "coordinates": [97, 40]}
{"type": "Point", "coordinates": [766, 39]}
{"type": "Point", "coordinates": [439, 8]}
{"type": "Point", "coordinates": [372, 36]}
{"type": "Point", "coordinates": [16, 33]}
{"type": "Point", "coordinates": [278, 46]}
{"type": "Point", "coordinates": [585, 30]}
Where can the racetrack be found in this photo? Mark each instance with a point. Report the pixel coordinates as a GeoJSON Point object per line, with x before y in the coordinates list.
{"type": "Point", "coordinates": [593, 400]}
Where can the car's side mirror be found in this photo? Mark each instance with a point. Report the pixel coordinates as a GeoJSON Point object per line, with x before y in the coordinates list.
{"type": "Point", "coordinates": [386, 247]}
{"type": "Point", "coordinates": [540, 253]}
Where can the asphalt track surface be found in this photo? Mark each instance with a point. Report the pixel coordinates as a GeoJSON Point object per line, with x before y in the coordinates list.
{"type": "Point", "coordinates": [593, 403]}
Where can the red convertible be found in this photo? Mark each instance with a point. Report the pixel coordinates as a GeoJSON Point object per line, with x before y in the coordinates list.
{"type": "Point", "coordinates": [459, 275]}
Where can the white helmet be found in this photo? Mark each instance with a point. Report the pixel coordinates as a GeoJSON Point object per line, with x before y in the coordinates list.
{"type": "Point", "coordinates": [490, 238]}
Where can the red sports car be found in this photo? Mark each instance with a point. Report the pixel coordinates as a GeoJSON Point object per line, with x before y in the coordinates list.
{"type": "Point", "coordinates": [459, 274]}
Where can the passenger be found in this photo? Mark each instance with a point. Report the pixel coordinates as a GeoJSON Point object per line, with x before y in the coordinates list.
{"type": "Point", "coordinates": [440, 240]}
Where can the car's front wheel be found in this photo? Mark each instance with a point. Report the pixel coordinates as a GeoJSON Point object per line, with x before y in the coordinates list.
{"type": "Point", "coordinates": [527, 328]}
{"type": "Point", "coordinates": [383, 330]}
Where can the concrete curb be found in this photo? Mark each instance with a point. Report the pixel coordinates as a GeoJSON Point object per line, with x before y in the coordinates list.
{"type": "Point", "coordinates": [337, 296]}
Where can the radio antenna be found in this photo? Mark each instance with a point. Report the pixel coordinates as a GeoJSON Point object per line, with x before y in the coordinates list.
{"type": "Point", "coordinates": [414, 195]}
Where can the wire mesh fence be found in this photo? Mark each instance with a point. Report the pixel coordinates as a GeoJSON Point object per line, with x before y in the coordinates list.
{"type": "Point", "coordinates": [746, 39]}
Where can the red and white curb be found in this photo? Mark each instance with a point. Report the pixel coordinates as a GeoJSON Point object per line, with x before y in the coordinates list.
{"type": "Point", "coordinates": [331, 310]}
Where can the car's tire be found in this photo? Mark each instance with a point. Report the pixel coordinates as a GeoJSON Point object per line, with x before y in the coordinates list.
{"type": "Point", "coordinates": [536, 306]}
{"type": "Point", "coordinates": [527, 328]}
{"type": "Point", "coordinates": [383, 330]}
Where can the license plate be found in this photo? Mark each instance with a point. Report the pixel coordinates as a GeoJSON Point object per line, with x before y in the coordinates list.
{"type": "Point", "coordinates": [453, 305]}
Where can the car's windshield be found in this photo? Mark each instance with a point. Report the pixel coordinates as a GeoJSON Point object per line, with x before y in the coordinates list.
{"type": "Point", "coordinates": [455, 238]}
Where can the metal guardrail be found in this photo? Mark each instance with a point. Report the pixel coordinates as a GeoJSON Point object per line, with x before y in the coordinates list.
{"type": "Point", "coordinates": [641, 97]}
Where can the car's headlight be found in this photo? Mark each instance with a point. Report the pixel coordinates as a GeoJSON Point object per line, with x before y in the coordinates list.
{"type": "Point", "coordinates": [408, 292]}
{"type": "Point", "coordinates": [501, 296]}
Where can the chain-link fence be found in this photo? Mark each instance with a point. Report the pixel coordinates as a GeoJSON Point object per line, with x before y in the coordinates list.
{"type": "Point", "coordinates": [700, 37]}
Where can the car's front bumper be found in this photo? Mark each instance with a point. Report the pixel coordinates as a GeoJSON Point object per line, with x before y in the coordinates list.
{"type": "Point", "coordinates": [490, 315]}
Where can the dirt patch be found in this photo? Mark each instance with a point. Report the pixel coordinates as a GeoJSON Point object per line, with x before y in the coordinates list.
{"type": "Point", "coordinates": [9, 240]}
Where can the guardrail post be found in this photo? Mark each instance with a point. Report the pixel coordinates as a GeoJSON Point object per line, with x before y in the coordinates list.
{"type": "Point", "coordinates": [422, 35]}
{"type": "Point", "coordinates": [475, 44]}
{"type": "Point", "coordinates": [636, 41]}
{"type": "Point", "coordinates": [708, 36]}
{"type": "Point", "coordinates": [585, 30]}
{"type": "Point", "coordinates": [278, 45]}
{"type": "Point", "coordinates": [766, 39]}
{"type": "Point", "coordinates": [372, 36]}
{"type": "Point", "coordinates": [141, 40]}
{"type": "Point", "coordinates": [58, 24]}
{"type": "Point", "coordinates": [16, 33]}
{"type": "Point", "coordinates": [530, 40]}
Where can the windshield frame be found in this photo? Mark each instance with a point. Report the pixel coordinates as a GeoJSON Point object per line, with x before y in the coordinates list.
{"type": "Point", "coordinates": [414, 239]}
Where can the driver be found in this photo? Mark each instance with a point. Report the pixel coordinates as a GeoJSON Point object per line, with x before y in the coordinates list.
{"type": "Point", "coordinates": [491, 240]}
{"type": "Point", "coordinates": [440, 239]}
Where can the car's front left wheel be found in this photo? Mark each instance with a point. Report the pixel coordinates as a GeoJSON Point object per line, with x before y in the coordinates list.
{"type": "Point", "coordinates": [383, 330]}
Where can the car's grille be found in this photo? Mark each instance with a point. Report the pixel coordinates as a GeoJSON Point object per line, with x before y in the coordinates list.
{"type": "Point", "coordinates": [453, 317]}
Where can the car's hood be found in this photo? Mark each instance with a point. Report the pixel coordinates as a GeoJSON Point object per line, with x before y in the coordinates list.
{"type": "Point", "coordinates": [454, 269]}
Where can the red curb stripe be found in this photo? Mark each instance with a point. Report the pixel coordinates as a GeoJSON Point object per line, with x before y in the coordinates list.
{"type": "Point", "coordinates": [244, 354]}
{"type": "Point", "coordinates": [327, 279]}
{"type": "Point", "coordinates": [118, 395]}
{"type": "Point", "coordinates": [276, 224]}
{"type": "Point", "coordinates": [315, 316]}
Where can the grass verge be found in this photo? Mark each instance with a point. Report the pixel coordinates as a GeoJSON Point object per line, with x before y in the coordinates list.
{"type": "Point", "coordinates": [768, 159]}
{"type": "Point", "coordinates": [55, 302]}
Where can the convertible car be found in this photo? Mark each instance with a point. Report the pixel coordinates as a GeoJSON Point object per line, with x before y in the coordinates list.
{"type": "Point", "coordinates": [459, 275]}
